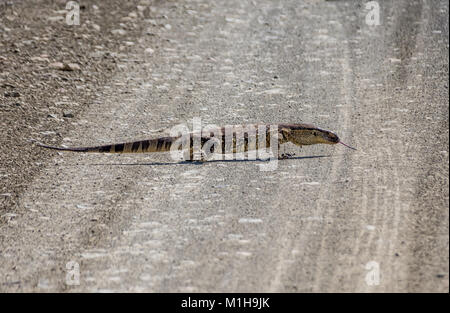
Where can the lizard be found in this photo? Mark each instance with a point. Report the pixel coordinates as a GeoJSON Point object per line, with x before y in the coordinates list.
{"type": "Point", "coordinates": [298, 134]}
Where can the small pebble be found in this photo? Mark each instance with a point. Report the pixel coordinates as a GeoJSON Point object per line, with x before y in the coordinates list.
{"type": "Point", "coordinates": [68, 114]}
{"type": "Point", "coordinates": [72, 67]}
{"type": "Point", "coordinates": [13, 94]}
{"type": "Point", "coordinates": [118, 32]}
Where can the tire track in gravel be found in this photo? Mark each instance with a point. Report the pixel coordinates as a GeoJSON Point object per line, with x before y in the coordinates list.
{"type": "Point", "coordinates": [321, 273]}
{"type": "Point", "coordinates": [312, 235]}
{"type": "Point", "coordinates": [394, 123]}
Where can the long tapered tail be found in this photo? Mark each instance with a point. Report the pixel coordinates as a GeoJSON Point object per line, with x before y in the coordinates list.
{"type": "Point", "coordinates": [152, 145]}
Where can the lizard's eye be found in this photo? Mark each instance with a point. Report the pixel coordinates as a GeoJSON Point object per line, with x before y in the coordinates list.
{"type": "Point", "coordinates": [314, 133]}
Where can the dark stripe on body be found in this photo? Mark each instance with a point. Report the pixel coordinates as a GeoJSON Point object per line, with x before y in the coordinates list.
{"type": "Point", "coordinates": [135, 146]}
{"type": "Point", "coordinates": [105, 148]}
{"type": "Point", "coordinates": [245, 142]}
{"type": "Point", "coordinates": [145, 145]}
{"type": "Point", "coordinates": [119, 147]}
{"type": "Point", "coordinates": [191, 148]}
{"type": "Point", "coordinates": [159, 144]}
{"type": "Point", "coordinates": [167, 144]}
{"type": "Point", "coordinates": [223, 142]}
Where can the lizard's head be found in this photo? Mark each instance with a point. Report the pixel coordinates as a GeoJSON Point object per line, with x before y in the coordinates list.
{"type": "Point", "coordinates": [313, 136]}
{"type": "Point", "coordinates": [306, 134]}
{"type": "Point", "coordinates": [326, 136]}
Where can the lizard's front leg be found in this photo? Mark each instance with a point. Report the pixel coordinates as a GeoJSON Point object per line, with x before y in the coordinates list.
{"type": "Point", "coordinates": [283, 156]}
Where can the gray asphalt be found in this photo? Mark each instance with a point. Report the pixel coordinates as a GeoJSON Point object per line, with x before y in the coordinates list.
{"type": "Point", "coordinates": [320, 222]}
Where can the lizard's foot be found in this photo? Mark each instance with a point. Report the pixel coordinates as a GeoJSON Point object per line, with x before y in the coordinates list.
{"type": "Point", "coordinates": [285, 156]}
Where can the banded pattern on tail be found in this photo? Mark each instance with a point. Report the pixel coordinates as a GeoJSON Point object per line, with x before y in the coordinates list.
{"type": "Point", "coordinates": [162, 144]}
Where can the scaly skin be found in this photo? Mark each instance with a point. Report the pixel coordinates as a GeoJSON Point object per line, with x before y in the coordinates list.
{"type": "Point", "coordinates": [298, 134]}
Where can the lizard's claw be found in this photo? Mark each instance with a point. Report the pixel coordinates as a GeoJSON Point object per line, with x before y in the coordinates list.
{"type": "Point", "coordinates": [285, 156]}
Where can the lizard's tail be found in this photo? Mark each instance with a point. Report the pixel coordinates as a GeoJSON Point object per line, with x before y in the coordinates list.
{"type": "Point", "coordinates": [152, 145]}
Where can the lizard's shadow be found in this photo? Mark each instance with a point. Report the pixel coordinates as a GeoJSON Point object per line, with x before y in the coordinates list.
{"type": "Point", "coordinates": [211, 161]}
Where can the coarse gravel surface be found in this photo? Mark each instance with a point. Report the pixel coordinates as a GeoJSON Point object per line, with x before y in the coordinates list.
{"type": "Point", "coordinates": [330, 219]}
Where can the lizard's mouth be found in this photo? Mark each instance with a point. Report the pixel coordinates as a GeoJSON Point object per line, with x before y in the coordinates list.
{"type": "Point", "coordinates": [332, 137]}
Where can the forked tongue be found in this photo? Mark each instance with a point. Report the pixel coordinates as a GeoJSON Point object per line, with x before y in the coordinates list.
{"type": "Point", "coordinates": [347, 145]}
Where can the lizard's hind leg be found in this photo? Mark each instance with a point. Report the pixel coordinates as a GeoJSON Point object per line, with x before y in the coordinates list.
{"type": "Point", "coordinates": [284, 155]}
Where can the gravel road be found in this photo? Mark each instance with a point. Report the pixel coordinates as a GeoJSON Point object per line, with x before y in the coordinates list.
{"type": "Point", "coordinates": [328, 220]}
